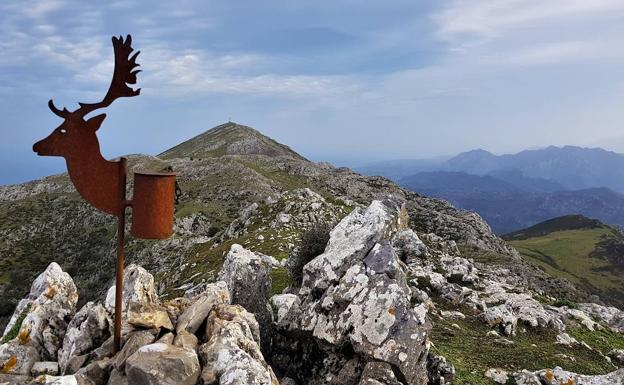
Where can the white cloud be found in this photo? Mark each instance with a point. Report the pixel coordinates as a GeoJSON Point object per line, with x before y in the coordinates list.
{"type": "Point", "coordinates": [492, 18]}
{"type": "Point", "coordinates": [193, 71]}
{"type": "Point", "coordinates": [40, 8]}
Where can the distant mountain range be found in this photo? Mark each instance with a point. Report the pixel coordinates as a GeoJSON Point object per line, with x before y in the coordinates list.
{"type": "Point", "coordinates": [518, 190]}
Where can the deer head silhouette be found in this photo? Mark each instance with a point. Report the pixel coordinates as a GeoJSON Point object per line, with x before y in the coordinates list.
{"type": "Point", "coordinates": [96, 179]}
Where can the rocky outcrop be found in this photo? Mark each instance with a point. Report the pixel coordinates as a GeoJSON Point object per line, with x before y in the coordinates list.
{"type": "Point", "coordinates": [355, 297]}
{"type": "Point", "coordinates": [163, 364]}
{"type": "Point", "coordinates": [232, 354]}
{"type": "Point", "coordinates": [195, 314]}
{"type": "Point", "coordinates": [89, 328]}
{"type": "Point", "coordinates": [559, 376]}
{"type": "Point", "coordinates": [248, 278]}
{"type": "Point", "coordinates": [140, 304]}
{"type": "Point", "coordinates": [152, 353]}
{"type": "Point", "coordinates": [41, 321]}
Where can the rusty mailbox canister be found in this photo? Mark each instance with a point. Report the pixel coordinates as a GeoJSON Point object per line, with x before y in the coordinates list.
{"type": "Point", "coordinates": [152, 205]}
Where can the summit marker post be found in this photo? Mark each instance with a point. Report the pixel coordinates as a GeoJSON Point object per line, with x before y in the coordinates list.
{"type": "Point", "coordinates": [102, 183]}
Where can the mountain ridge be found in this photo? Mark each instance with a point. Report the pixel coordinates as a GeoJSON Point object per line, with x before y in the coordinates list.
{"type": "Point", "coordinates": [222, 195]}
{"type": "Point", "coordinates": [229, 139]}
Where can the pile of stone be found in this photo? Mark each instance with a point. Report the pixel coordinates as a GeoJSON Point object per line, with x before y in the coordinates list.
{"type": "Point", "coordinates": [183, 341]}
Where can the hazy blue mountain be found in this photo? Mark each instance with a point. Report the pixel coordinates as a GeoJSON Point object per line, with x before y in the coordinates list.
{"type": "Point", "coordinates": [571, 167]}
{"type": "Point", "coordinates": [552, 168]}
{"type": "Point", "coordinates": [508, 207]}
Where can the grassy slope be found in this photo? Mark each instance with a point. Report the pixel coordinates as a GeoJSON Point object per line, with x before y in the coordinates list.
{"type": "Point", "coordinates": [567, 254]}
{"type": "Point", "coordinates": [465, 344]}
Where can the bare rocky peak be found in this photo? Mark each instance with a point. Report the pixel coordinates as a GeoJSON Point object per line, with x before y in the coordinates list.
{"type": "Point", "coordinates": [229, 139]}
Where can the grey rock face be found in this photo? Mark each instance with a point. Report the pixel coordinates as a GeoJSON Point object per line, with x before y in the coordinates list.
{"type": "Point", "coordinates": [87, 331]}
{"type": "Point", "coordinates": [162, 364]}
{"type": "Point", "coordinates": [560, 376]}
{"type": "Point", "coordinates": [378, 373]}
{"type": "Point", "coordinates": [45, 367]}
{"type": "Point", "coordinates": [617, 356]}
{"type": "Point", "coordinates": [355, 296]}
{"type": "Point", "coordinates": [194, 315]}
{"type": "Point", "coordinates": [186, 340]}
{"type": "Point", "coordinates": [134, 341]}
{"type": "Point", "coordinates": [96, 373]}
{"type": "Point", "coordinates": [52, 302]}
{"type": "Point", "coordinates": [17, 359]}
{"type": "Point", "coordinates": [248, 278]}
{"type": "Point", "coordinates": [140, 302]}
{"type": "Point", "coordinates": [441, 371]}
{"type": "Point", "coordinates": [232, 354]}
{"type": "Point", "coordinates": [14, 379]}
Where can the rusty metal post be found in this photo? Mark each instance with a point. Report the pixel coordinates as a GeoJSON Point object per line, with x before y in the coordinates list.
{"type": "Point", "coordinates": [121, 232]}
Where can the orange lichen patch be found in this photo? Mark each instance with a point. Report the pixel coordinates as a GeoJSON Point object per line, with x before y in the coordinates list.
{"type": "Point", "coordinates": [549, 375]}
{"type": "Point", "coordinates": [392, 311]}
{"type": "Point", "coordinates": [9, 365]}
{"type": "Point", "coordinates": [570, 382]}
{"type": "Point", "coordinates": [51, 292]}
{"type": "Point", "coordinates": [24, 336]}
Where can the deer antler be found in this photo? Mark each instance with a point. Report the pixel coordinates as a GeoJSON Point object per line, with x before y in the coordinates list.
{"type": "Point", "coordinates": [123, 75]}
{"type": "Point", "coordinates": [63, 114]}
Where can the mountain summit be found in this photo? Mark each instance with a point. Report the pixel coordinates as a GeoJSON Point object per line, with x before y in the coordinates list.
{"type": "Point", "coordinates": [229, 139]}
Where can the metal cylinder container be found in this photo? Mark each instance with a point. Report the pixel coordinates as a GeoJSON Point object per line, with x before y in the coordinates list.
{"type": "Point", "coordinates": [153, 205]}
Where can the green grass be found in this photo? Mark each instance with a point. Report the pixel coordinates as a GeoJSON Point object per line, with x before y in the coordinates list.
{"type": "Point", "coordinates": [601, 340]}
{"type": "Point", "coordinates": [11, 334]}
{"type": "Point", "coordinates": [284, 179]}
{"type": "Point", "coordinates": [281, 280]}
{"type": "Point", "coordinates": [473, 353]}
{"type": "Point", "coordinates": [568, 254]}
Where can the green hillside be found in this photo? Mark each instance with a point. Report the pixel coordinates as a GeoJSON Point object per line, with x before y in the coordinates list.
{"type": "Point", "coordinates": [590, 257]}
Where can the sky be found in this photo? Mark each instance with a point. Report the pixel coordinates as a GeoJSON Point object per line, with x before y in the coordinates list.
{"type": "Point", "coordinates": [346, 81]}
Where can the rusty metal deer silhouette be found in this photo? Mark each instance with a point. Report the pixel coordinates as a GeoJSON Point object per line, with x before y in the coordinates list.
{"type": "Point", "coordinates": [96, 179]}
{"type": "Point", "coordinates": [101, 182]}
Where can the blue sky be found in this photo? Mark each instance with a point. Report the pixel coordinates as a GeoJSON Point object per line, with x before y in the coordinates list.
{"type": "Point", "coordinates": [346, 81]}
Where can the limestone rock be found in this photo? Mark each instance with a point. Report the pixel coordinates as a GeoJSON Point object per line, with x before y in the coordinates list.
{"type": "Point", "coordinates": [214, 294]}
{"type": "Point", "coordinates": [617, 356]}
{"type": "Point", "coordinates": [134, 341]}
{"type": "Point", "coordinates": [497, 375]}
{"type": "Point", "coordinates": [138, 289]}
{"type": "Point", "coordinates": [61, 380]}
{"type": "Point", "coordinates": [232, 354]}
{"type": "Point", "coordinates": [352, 239]}
{"type": "Point", "coordinates": [45, 367]}
{"type": "Point", "coordinates": [439, 370]}
{"type": "Point", "coordinates": [355, 294]}
{"type": "Point", "coordinates": [248, 278]}
{"type": "Point", "coordinates": [186, 340]}
{"type": "Point", "coordinates": [17, 359]}
{"type": "Point", "coordinates": [566, 339]}
{"type": "Point", "coordinates": [282, 304]}
{"type": "Point", "coordinates": [87, 331]}
{"type": "Point", "coordinates": [51, 303]}
{"type": "Point", "coordinates": [610, 315]}
{"type": "Point", "coordinates": [167, 338]}
{"type": "Point", "coordinates": [14, 379]}
{"type": "Point", "coordinates": [378, 373]}
{"type": "Point", "coordinates": [162, 364]}
{"type": "Point", "coordinates": [117, 378]}
{"type": "Point", "coordinates": [559, 376]}
{"type": "Point", "coordinates": [96, 373]}
{"type": "Point", "coordinates": [409, 246]}
{"type": "Point", "coordinates": [148, 316]}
